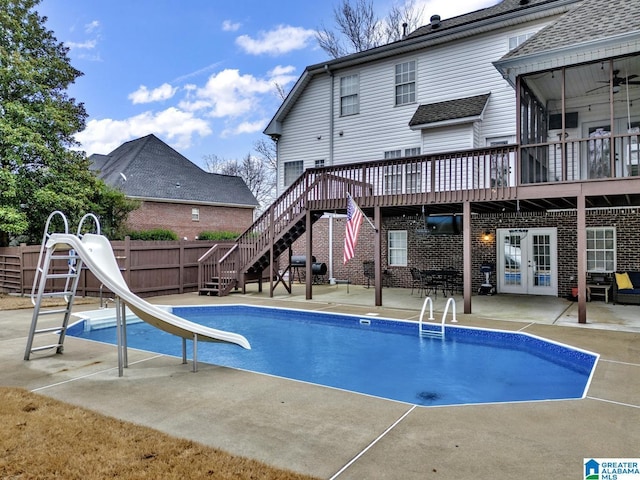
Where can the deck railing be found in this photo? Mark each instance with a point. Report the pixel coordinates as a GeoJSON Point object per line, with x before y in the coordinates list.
{"type": "Point", "coordinates": [600, 156]}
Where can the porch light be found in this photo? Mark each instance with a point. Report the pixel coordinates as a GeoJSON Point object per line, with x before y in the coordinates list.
{"type": "Point", "coordinates": [486, 235]}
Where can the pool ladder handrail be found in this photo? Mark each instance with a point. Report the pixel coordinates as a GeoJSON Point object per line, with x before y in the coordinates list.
{"type": "Point", "coordinates": [436, 333]}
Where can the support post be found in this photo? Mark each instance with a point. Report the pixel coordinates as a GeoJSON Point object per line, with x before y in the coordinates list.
{"type": "Point", "coordinates": [581, 231]}
{"type": "Point", "coordinates": [309, 264]}
{"type": "Point", "coordinates": [466, 258]}
{"type": "Point", "coordinates": [377, 255]}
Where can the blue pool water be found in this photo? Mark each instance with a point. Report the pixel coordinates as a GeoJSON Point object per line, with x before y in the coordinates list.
{"type": "Point", "coordinates": [379, 357]}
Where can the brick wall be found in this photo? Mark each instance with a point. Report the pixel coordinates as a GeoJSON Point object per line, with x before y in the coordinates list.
{"type": "Point", "coordinates": [177, 217]}
{"type": "Point", "coordinates": [445, 251]}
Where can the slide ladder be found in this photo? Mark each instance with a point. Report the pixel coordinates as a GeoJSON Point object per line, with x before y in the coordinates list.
{"type": "Point", "coordinates": [440, 332]}
{"type": "Point", "coordinates": [48, 274]}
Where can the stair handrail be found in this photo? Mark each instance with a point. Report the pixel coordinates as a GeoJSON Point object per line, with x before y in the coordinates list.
{"type": "Point", "coordinates": [45, 237]}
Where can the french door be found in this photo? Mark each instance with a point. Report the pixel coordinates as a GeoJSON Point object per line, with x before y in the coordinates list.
{"type": "Point", "coordinates": [527, 261]}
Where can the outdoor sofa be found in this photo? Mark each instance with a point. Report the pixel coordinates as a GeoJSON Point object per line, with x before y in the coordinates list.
{"type": "Point", "coordinates": [626, 287]}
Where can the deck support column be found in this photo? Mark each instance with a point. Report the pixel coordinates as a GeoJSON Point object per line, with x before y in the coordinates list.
{"type": "Point", "coordinates": [377, 255]}
{"type": "Point", "coordinates": [581, 232]}
{"type": "Point", "coordinates": [466, 256]}
{"type": "Point", "coordinates": [309, 264]}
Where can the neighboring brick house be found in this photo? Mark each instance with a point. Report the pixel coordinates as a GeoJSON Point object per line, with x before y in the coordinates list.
{"type": "Point", "coordinates": [175, 193]}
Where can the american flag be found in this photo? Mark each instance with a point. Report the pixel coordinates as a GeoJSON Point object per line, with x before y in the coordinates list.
{"type": "Point", "coordinates": [354, 221]}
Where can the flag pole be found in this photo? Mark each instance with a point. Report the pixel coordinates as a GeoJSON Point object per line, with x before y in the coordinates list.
{"type": "Point", "coordinates": [358, 207]}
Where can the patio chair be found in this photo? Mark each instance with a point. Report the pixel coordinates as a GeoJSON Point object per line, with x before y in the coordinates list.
{"type": "Point", "coordinates": [416, 280]}
{"type": "Point", "coordinates": [369, 271]}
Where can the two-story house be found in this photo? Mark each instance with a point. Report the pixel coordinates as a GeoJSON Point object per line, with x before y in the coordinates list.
{"type": "Point", "coordinates": [522, 118]}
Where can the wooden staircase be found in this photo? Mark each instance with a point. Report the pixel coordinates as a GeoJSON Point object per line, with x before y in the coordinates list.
{"type": "Point", "coordinates": [254, 255]}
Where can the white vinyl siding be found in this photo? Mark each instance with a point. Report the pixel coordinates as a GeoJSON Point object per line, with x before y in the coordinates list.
{"type": "Point", "coordinates": [307, 120]}
{"type": "Point", "coordinates": [380, 123]}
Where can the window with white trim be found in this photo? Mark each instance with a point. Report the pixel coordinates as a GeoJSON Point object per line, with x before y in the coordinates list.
{"type": "Point", "coordinates": [405, 81]}
{"type": "Point", "coordinates": [349, 95]}
{"type": "Point", "coordinates": [519, 39]}
{"type": "Point", "coordinates": [195, 214]}
{"type": "Point", "coordinates": [292, 170]}
{"type": "Point", "coordinates": [392, 179]}
{"type": "Point", "coordinates": [397, 246]}
{"type": "Point", "coordinates": [601, 249]}
{"type": "Point", "coordinates": [319, 163]}
{"type": "Point", "coordinates": [402, 180]}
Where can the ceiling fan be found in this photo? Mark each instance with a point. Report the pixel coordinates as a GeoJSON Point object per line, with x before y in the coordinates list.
{"type": "Point", "coordinates": [617, 81]}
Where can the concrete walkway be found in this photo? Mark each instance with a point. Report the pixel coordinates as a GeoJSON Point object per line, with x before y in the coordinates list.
{"type": "Point", "coordinates": [336, 434]}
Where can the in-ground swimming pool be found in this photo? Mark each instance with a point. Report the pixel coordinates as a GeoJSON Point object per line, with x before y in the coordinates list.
{"type": "Point", "coordinates": [374, 356]}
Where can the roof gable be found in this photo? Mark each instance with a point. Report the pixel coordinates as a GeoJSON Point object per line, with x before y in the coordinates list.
{"type": "Point", "coordinates": [149, 168]}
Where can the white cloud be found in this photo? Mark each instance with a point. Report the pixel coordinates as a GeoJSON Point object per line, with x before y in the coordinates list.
{"type": "Point", "coordinates": [175, 126]}
{"type": "Point", "coordinates": [230, 94]}
{"type": "Point", "coordinates": [144, 95]}
{"type": "Point", "coordinates": [283, 39]}
{"type": "Point", "coordinates": [92, 26]}
{"type": "Point", "coordinates": [245, 127]}
{"type": "Point", "coordinates": [229, 26]}
{"type": "Point", "coordinates": [86, 45]}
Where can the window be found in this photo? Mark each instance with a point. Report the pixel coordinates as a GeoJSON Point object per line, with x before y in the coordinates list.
{"type": "Point", "coordinates": [395, 175]}
{"type": "Point", "coordinates": [195, 214]}
{"type": "Point", "coordinates": [601, 249]}
{"type": "Point", "coordinates": [412, 152]}
{"type": "Point", "coordinates": [349, 102]}
{"type": "Point", "coordinates": [319, 163]}
{"type": "Point", "coordinates": [397, 240]}
{"type": "Point", "coordinates": [516, 41]}
{"type": "Point", "coordinates": [406, 83]}
{"type": "Point", "coordinates": [413, 177]}
{"type": "Point", "coordinates": [392, 179]}
{"type": "Point", "coordinates": [292, 170]}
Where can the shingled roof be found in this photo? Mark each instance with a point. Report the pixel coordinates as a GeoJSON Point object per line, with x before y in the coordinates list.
{"type": "Point", "coordinates": [589, 21]}
{"type": "Point", "coordinates": [148, 168]}
{"type": "Point", "coordinates": [502, 8]}
{"type": "Point", "coordinates": [468, 107]}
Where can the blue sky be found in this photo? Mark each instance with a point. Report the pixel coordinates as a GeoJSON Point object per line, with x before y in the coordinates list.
{"type": "Point", "coordinates": [199, 74]}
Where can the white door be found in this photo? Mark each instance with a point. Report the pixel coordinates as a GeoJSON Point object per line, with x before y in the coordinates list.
{"type": "Point", "coordinates": [527, 261]}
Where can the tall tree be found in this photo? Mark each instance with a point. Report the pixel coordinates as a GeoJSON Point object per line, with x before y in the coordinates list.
{"type": "Point", "coordinates": [256, 171]}
{"type": "Point", "coordinates": [38, 120]}
{"type": "Point", "coordinates": [358, 28]}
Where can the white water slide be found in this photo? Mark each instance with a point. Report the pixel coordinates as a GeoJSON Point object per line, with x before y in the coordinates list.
{"type": "Point", "coordinates": [96, 253]}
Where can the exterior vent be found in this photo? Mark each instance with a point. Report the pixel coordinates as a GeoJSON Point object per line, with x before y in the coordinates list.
{"type": "Point", "coordinates": [524, 2]}
{"type": "Point", "coordinates": [435, 21]}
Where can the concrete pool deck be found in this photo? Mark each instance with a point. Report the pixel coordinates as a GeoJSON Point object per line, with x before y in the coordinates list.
{"type": "Point", "coordinates": [324, 432]}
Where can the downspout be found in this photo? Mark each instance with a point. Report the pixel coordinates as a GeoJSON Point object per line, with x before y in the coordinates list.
{"type": "Point", "coordinates": [330, 162]}
{"type": "Point", "coordinates": [331, 112]}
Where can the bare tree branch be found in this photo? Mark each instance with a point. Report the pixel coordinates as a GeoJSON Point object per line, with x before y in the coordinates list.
{"type": "Point", "coordinates": [357, 28]}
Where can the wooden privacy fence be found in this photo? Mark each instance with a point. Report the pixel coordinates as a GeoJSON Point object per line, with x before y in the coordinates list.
{"type": "Point", "coordinates": [150, 268]}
